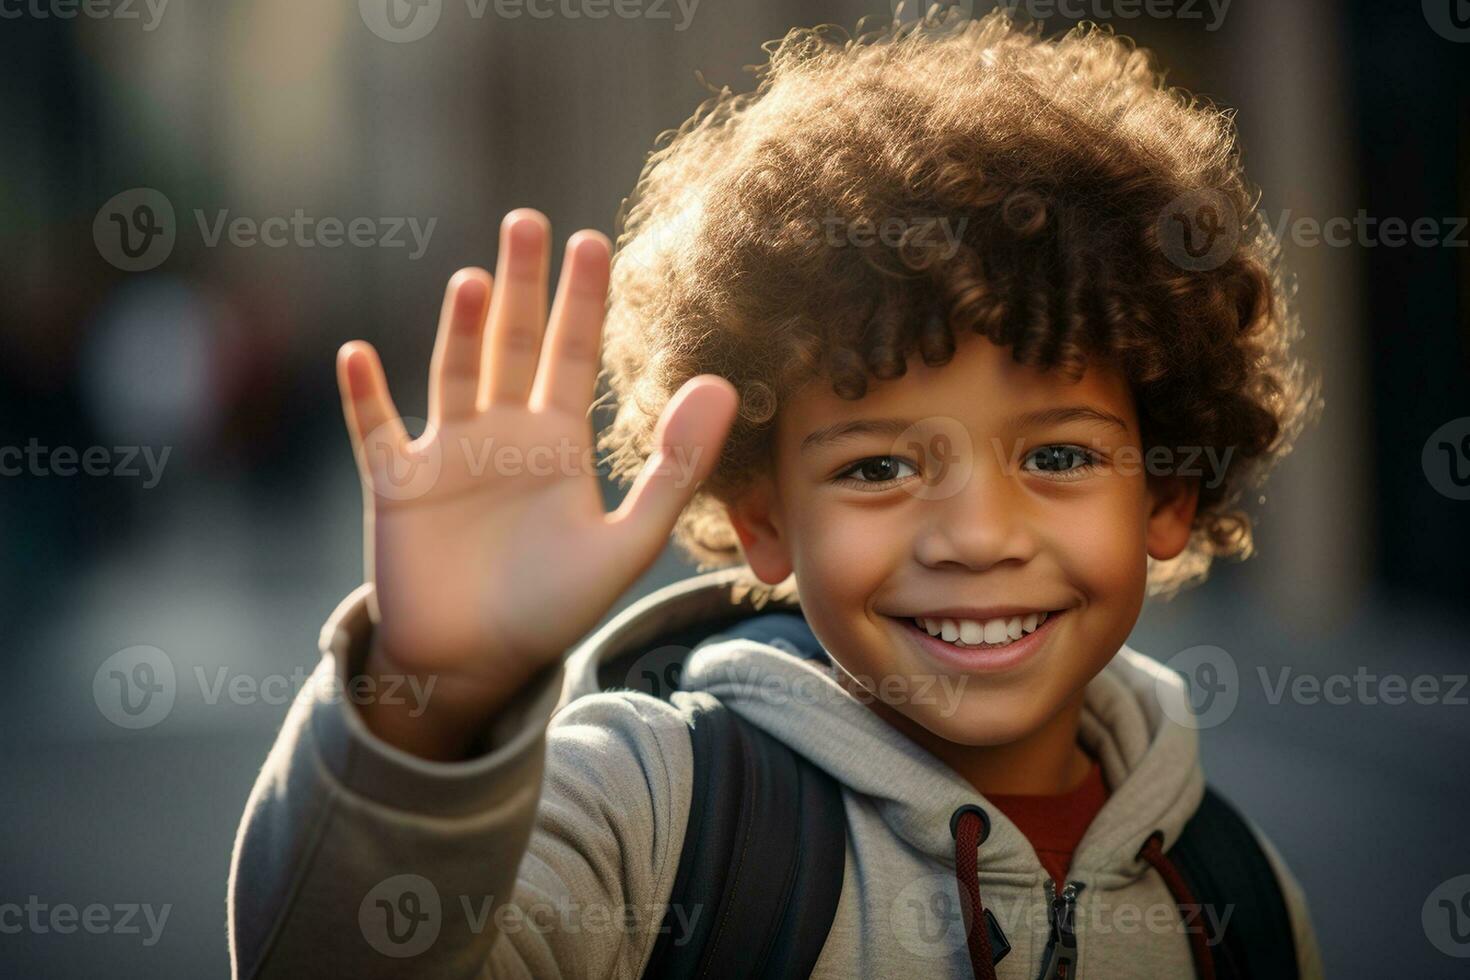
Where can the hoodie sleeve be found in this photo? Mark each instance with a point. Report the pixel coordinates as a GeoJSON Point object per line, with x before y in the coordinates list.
{"type": "Point", "coordinates": [1308, 955]}
{"type": "Point", "coordinates": [551, 855]}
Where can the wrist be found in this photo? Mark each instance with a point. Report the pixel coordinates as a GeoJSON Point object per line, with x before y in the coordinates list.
{"type": "Point", "coordinates": [443, 717]}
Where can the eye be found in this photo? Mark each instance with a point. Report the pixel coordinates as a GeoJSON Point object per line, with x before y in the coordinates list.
{"type": "Point", "coordinates": [876, 471]}
{"type": "Point", "coordinates": [1060, 460]}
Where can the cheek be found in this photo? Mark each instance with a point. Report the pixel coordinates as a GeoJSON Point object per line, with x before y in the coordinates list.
{"type": "Point", "coordinates": [842, 550]}
{"type": "Point", "coordinates": [1100, 540]}
{"type": "Point", "coordinates": [842, 556]}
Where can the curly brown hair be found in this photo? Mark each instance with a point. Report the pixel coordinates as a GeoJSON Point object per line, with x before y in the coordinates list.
{"type": "Point", "coordinates": [1067, 164]}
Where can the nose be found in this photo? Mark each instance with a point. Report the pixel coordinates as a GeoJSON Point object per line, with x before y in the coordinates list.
{"type": "Point", "coordinates": [985, 522]}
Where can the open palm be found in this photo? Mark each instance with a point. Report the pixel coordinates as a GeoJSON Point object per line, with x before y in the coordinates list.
{"type": "Point", "coordinates": [486, 538]}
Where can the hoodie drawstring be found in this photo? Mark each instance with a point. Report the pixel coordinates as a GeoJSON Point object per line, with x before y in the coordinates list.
{"type": "Point", "coordinates": [1152, 851]}
{"type": "Point", "coordinates": [970, 825]}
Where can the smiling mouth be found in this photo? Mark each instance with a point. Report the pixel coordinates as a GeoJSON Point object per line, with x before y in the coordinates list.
{"type": "Point", "coordinates": [969, 634]}
{"type": "Point", "coordinates": [1009, 651]}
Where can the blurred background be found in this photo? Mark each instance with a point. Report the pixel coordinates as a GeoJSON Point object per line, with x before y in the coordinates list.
{"type": "Point", "coordinates": [178, 475]}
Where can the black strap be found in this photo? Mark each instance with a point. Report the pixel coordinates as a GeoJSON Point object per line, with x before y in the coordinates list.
{"type": "Point", "coordinates": [764, 855]}
{"type": "Point", "coordinates": [1229, 873]}
{"type": "Point", "coordinates": [765, 841]}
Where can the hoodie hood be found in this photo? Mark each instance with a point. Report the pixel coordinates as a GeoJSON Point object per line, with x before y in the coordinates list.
{"type": "Point", "coordinates": [1149, 761]}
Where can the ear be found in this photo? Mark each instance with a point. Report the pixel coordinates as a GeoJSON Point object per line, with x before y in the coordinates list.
{"type": "Point", "coordinates": [756, 518]}
{"type": "Point", "coordinates": [1172, 503]}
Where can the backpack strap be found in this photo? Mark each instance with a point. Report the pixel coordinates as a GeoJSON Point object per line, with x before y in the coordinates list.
{"type": "Point", "coordinates": [765, 850]}
{"type": "Point", "coordinates": [1229, 873]}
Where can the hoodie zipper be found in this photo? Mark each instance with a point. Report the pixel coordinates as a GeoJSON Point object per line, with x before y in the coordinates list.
{"type": "Point", "coordinates": [1059, 959]}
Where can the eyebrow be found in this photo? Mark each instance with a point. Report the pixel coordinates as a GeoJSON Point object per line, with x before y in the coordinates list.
{"type": "Point", "coordinates": [892, 427]}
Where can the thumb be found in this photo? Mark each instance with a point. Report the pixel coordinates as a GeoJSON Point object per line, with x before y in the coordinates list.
{"type": "Point", "coordinates": [688, 440]}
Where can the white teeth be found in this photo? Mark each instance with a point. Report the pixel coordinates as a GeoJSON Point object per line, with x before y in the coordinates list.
{"type": "Point", "coordinates": [992, 632]}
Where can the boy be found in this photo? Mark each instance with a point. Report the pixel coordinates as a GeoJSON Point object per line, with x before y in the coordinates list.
{"type": "Point", "coordinates": [903, 342]}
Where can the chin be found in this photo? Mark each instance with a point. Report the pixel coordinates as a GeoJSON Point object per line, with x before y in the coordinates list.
{"type": "Point", "coordinates": [983, 720]}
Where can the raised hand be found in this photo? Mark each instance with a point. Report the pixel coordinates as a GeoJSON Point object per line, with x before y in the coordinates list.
{"type": "Point", "coordinates": [486, 538]}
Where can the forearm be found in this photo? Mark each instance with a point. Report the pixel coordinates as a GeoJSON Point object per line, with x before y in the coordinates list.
{"type": "Point", "coordinates": [338, 819]}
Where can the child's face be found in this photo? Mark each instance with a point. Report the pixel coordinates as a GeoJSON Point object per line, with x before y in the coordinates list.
{"type": "Point", "coordinates": [1007, 522]}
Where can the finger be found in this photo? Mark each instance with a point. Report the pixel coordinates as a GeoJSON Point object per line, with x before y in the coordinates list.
{"type": "Point", "coordinates": [518, 307]}
{"type": "Point", "coordinates": [372, 420]}
{"type": "Point", "coordinates": [573, 348]}
{"type": "Point", "coordinates": [688, 440]}
{"type": "Point", "coordinates": [454, 371]}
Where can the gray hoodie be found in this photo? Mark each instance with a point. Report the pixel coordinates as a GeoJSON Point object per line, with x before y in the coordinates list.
{"type": "Point", "coordinates": [553, 853]}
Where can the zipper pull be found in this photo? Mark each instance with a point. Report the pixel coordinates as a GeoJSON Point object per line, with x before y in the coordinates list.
{"type": "Point", "coordinates": [1059, 960]}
